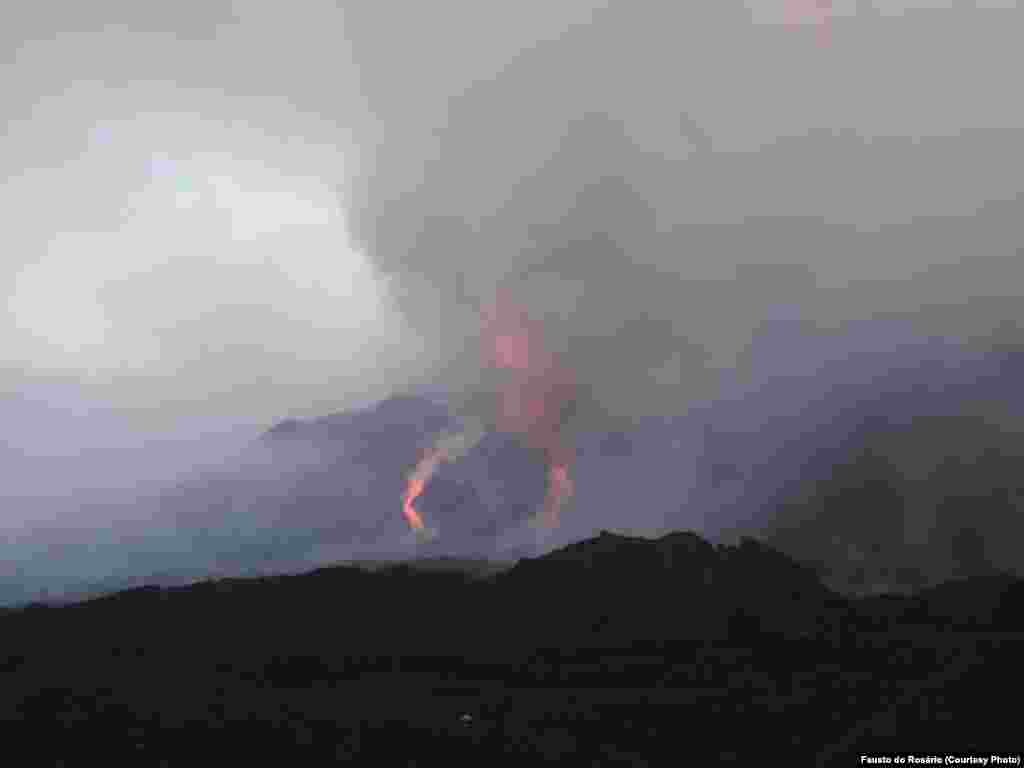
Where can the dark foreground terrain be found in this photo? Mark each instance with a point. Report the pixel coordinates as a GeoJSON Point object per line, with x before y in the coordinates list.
{"type": "Point", "coordinates": [614, 651]}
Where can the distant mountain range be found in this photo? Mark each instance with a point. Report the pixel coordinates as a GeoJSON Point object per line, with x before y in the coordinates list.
{"type": "Point", "coordinates": [786, 456]}
{"type": "Point", "coordinates": [782, 458]}
{"type": "Point", "coordinates": [888, 470]}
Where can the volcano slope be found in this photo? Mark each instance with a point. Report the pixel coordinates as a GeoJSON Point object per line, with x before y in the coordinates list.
{"type": "Point", "coordinates": [614, 650]}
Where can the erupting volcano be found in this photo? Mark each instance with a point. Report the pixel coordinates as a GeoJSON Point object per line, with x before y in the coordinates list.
{"type": "Point", "coordinates": [532, 397]}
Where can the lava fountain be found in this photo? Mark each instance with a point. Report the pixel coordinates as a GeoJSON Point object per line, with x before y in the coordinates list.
{"type": "Point", "coordinates": [531, 400]}
{"type": "Point", "coordinates": [533, 395]}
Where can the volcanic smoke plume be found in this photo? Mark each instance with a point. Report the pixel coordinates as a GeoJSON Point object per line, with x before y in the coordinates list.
{"type": "Point", "coordinates": [656, 210]}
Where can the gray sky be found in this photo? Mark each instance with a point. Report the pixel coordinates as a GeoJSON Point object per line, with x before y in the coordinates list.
{"type": "Point", "coordinates": [179, 242]}
{"type": "Point", "coordinates": [214, 203]}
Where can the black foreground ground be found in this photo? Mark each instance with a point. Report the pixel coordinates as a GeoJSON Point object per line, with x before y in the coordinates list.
{"type": "Point", "coordinates": [614, 651]}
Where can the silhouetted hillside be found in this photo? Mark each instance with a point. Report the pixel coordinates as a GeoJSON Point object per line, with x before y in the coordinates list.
{"type": "Point", "coordinates": [601, 652]}
{"type": "Point", "coordinates": [884, 473]}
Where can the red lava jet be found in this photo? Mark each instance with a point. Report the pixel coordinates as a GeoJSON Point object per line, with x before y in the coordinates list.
{"type": "Point", "coordinates": [533, 395]}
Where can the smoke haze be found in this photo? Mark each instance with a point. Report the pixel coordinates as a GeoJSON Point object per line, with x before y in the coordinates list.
{"type": "Point", "coordinates": [226, 214]}
{"type": "Point", "coordinates": [660, 181]}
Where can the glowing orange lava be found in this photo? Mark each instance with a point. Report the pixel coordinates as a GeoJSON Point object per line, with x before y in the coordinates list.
{"type": "Point", "coordinates": [417, 483]}
{"type": "Point", "coordinates": [413, 492]}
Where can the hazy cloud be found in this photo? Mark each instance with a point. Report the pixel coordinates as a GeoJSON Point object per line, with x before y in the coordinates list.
{"type": "Point", "coordinates": [228, 213]}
